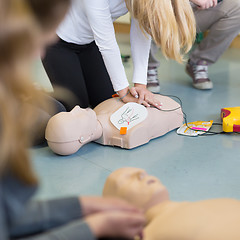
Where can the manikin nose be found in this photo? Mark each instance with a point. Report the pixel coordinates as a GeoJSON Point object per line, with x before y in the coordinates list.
{"type": "Point", "coordinates": [77, 110]}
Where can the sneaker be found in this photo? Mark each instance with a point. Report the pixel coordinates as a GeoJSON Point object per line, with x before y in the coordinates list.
{"type": "Point", "coordinates": [152, 80]}
{"type": "Point", "coordinates": [199, 74]}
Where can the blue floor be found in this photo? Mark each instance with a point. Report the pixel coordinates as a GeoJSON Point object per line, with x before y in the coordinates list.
{"type": "Point", "coordinates": [192, 168]}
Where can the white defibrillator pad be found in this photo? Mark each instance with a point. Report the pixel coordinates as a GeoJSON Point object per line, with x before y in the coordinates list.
{"type": "Point", "coordinates": [129, 115]}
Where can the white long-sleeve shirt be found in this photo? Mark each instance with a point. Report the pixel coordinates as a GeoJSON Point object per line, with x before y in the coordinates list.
{"type": "Point", "coordinates": [92, 20]}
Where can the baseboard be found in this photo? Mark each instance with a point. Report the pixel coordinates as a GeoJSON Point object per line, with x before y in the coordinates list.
{"type": "Point", "coordinates": [236, 42]}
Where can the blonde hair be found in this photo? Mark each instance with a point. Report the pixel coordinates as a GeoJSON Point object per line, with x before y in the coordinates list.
{"type": "Point", "coordinates": [170, 23]}
{"type": "Point", "coordinates": [17, 44]}
{"type": "Point", "coordinates": [20, 29]}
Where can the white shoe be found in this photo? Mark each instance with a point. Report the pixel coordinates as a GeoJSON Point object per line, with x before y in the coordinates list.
{"type": "Point", "coordinates": [199, 74]}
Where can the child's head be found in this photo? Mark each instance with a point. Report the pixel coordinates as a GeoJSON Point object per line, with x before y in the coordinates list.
{"type": "Point", "coordinates": [170, 23]}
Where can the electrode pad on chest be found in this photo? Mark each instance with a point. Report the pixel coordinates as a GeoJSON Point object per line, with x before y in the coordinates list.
{"type": "Point", "coordinates": [129, 115]}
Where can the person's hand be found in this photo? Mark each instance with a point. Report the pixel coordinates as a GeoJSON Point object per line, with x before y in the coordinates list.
{"type": "Point", "coordinates": [143, 95]}
{"type": "Point", "coordinates": [126, 96]}
{"type": "Point", "coordinates": [205, 4]}
{"type": "Point", "coordinates": [116, 224]}
{"type": "Point", "coordinates": [91, 205]}
{"type": "Point", "coordinates": [139, 94]}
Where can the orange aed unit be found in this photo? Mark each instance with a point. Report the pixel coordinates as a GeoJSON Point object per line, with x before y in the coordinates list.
{"type": "Point", "coordinates": [231, 119]}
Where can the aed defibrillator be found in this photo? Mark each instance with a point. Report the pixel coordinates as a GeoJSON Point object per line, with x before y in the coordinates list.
{"type": "Point", "coordinates": [230, 119]}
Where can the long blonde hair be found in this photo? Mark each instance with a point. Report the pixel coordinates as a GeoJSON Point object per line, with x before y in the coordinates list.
{"type": "Point", "coordinates": [170, 23]}
{"type": "Point", "coordinates": [20, 28]}
{"type": "Point", "coordinates": [17, 44]}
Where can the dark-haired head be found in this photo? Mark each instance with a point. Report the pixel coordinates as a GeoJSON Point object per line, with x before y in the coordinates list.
{"type": "Point", "coordinates": [48, 15]}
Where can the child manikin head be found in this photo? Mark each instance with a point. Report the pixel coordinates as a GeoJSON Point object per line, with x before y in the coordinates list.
{"type": "Point", "coordinates": [135, 186]}
{"type": "Point", "coordinates": [77, 128]}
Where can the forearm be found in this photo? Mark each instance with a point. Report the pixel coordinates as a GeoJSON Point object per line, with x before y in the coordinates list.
{"type": "Point", "coordinates": [140, 48]}
{"type": "Point", "coordinates": [74, 231]}
{"type": "Point", "coordinates": [41, 216]}
{"type": "Point", "coordinates": [3, 227]}
{"type": "Point", "coordinates": [113, 62]}
{"type": "Point", "coordinates": [100, 20]}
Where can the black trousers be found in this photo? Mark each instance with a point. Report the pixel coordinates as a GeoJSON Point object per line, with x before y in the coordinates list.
{"type": "Point", "coordinates": [80, 70]}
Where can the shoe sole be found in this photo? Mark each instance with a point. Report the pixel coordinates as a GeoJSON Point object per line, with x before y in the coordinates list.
{"type": "Point", "coordinates": [203, 85]}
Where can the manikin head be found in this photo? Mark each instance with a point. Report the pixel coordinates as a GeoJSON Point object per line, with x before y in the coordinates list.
{"type": "Point", "coordinates": [135, 186]}
{"type": "Point", "coordinates": [66, 132]}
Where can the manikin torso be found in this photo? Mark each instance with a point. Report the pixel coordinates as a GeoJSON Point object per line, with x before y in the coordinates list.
{"type": "Point", "coordinates": [156, 124]}
{"type": "Point", "coordinates": [67, 132]}
{"type": "Point", "coordinates": [216, 219]}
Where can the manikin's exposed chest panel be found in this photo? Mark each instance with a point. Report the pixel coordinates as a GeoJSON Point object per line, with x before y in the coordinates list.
{"type": "Point", "coordinates": [154, 122]}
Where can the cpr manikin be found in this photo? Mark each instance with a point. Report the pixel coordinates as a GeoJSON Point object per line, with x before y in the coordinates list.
{"type": "Point", "coordinates": [66, 132]}
{"type": "Point", "coordinates": [216, 219]}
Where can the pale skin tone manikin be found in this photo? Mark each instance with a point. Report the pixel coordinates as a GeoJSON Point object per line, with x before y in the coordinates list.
{"type": "Point", "coordinates": [66, 132]}
{"type": "Point", "coordinates": [215, 219]}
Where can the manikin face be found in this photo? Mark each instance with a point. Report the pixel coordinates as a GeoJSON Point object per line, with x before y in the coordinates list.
{"type": "Point", "coordinates": [135, 186]}
{"type": "Point", "coordinates": [85, 118]}
{"type": "Point", "coordinates": [66, 132]}
{"type": "Point", "coordinates": [77, 125]}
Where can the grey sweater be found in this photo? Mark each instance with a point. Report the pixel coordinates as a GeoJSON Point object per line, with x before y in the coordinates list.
{"type": "Point", "coordinates": [21, 218]}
